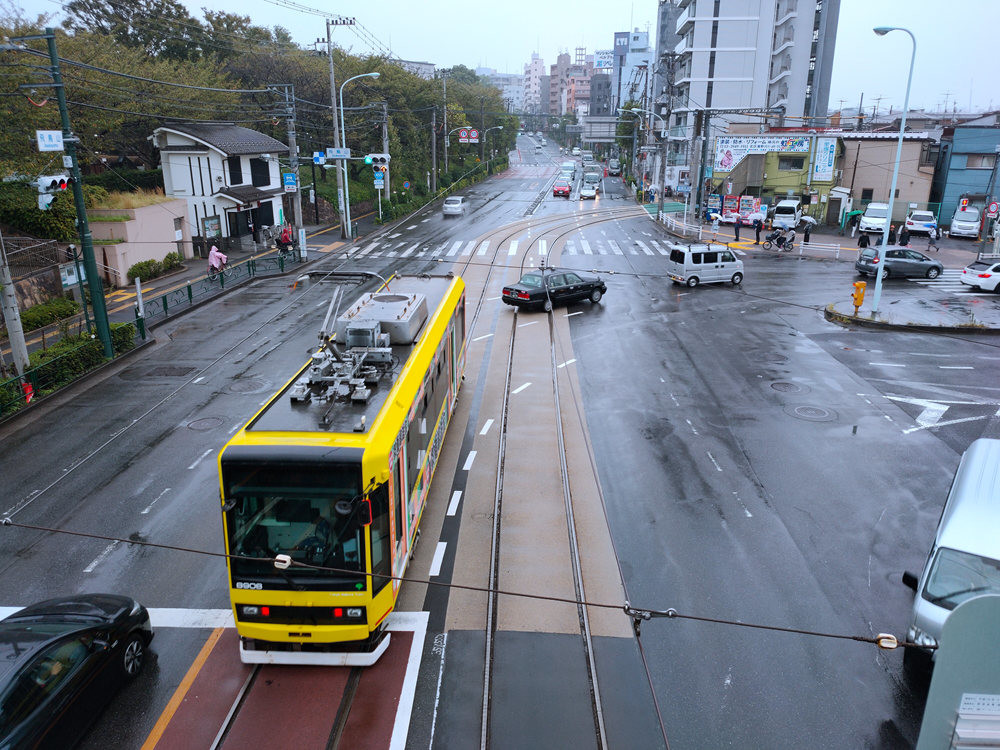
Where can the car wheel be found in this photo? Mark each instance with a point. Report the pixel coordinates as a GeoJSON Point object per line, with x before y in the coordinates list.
{"type": "Point", "coordinates": [133, 656]}
{"type": "Point", "coordinates": [595, 296]}
{"type": "Point", "coordinates": [692, 282]}
{"type": "Point", "coordinates": [547, 305]}
{"type": "Point", "coordinates": [933, 272]}
{"type": "Point", "coordinates": [737, 279]}
{"type": "Point", "coordinates": [885, 274]}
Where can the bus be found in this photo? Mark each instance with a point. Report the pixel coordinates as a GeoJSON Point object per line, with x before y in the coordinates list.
{"type": "Point", "coordinates": [323, 490]}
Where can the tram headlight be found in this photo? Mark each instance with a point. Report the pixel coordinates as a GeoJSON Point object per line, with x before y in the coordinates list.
{"type": "Point", "coordinates": [252, 610]}
{"type": "Point", "coordinates": [355, 612]}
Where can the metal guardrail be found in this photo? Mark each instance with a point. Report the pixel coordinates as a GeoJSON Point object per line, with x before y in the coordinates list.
{"type": "Point", "coordinates": [821, 247]}
{"type": "Point", "coordinates": [18, 391]}
{"type": "Point", "coordinates": [685, 230]}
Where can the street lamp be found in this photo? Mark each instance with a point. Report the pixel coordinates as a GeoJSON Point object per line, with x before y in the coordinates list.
{"type": "Point", "coordinates": [495, 127]}
{"type": "Point", "coordinates": [343, 139]}
{"type": "Point", "coordinates": [882, 31]}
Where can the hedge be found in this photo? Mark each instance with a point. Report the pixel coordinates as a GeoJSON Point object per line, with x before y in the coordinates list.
{"type": "Point", "coordinates": [55, 309]}
{"type": "Point", "coordinates": [126, 180]}
{"type": "Point", "coordinates": [19, 209]}
{"type": "Point", "coordinates": [150, 269]}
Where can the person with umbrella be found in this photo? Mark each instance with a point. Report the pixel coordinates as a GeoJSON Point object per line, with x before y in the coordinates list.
{"type": "Point", "coordinates": [904, 236]}
{"type": "Point", "coordinates": [758, 223]}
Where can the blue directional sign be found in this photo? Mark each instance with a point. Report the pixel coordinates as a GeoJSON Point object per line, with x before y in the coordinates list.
{"type": "Point", "coordinates": [319, 157]}
{"type": "Point", "coordinates": [290, 182]}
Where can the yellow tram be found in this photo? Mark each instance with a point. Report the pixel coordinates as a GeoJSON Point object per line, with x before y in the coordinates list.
{"type": "Point", "coordinates": [323, 490]}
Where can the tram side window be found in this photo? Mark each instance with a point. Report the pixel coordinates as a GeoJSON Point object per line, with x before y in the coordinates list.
{"type": "Point", "coordinates": [381, 544]}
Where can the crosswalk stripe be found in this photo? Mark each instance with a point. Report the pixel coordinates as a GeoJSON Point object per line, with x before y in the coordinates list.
{"type": "Point", "coordinates": [644, 248]}
{"type": "Point", "coordinates": [484, 247]}
{"type": "Point", "coordinates": [467, 250]}
{"type": "Point", "coordinates": [614, 247]}
{"type": "Point", "coordinates": [661, 250]}
{"type": "Point", "coordinates": [454, 248]}
{"type": "Point", "coordinates": [367, 250]}
{"type": "Point", "coordinates": [585, 246]}
{"type": "Point", "coordinates": [570, 247]}
{"type": "Point", "coordinates": [409, 250]}
{"type": "Point", "coordinates": [513, 248]}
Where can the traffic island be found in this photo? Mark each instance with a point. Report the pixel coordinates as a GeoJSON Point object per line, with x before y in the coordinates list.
{"type": "Point", "coordinates": [939, 318]}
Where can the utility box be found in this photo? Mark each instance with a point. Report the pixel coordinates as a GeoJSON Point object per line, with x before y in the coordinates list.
{"type": "Point", "coordinates": [978, 723]}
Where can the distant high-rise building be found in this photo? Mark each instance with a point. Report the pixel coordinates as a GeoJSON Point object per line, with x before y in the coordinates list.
{"type": "Point", "coordinates": [633, 58]}
{"type": "Point", "coordinates": [511, 86]}
{"type": "Point", "coordinates": [600, 95]}
{"type": "Point", "coordinates": [533, 71]}
{"type": "Point", "coordinates": [768, 53]}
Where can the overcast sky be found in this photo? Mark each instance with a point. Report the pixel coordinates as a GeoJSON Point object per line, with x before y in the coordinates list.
{"type": "Point", "coordinates": [956, 58]}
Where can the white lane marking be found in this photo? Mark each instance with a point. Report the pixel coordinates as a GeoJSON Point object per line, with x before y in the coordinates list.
{"type": "Point", "coordinates": [513, 248]}
{"type": "Point", "coordinates": [578, 312]}
{"type": "Point", "coordinates": [438, 559]}
{"type": "Point", "coordinates": [97, 560]}
{"type": "Point", "coordinates": [468, 461]}
{"type": "Point", "coordinates": [440, 644]}
{"type": "Point", "coordinates": [955, 367]}
{"type": "Point", "coordinates": [235, 427]}
{"type": "Point", "coordinates": [422, 221]}
{"type": "Point", "coordinates": [884, 364]}
{"type": "Point", "coordinates": [567, 362]}
{"type": "Point", "coordinates": [412, 226]}
{"type": "Point", "coordinates": [691, 426]}
{"type": "Point", "coordinates": [926, 354]}
{"type": "Point", "coordinates": [201, 457]}
{"type": "Point", "coordinates": [528, 324]}
{"type": "Point", "coordinates": [483, 248]}
{"type": "Point", "coordinates": [908, 430]}
{"type": "Point", "coordinates": [659, 249]}
{"type": "Point", "coordinates": [541, 247]}
{"type": "Point", "coordinates": [484, 336]}
{"type": "Point", "coordinates": [672, 396]}
{"type": "Point", "coordinates": [468, 248]}
{"type": "Point", "coordinates": [740, 501]}
{"type": "Point", "coordinates": [454, 248]}
{"type": "Point", "coordinates": [712, 459]}
{"type": "Point", "coordinates": [409, 250]}
{"type": "Point", "coordinates": [198, 380]}
{"type": "Point", "coordinates": [394, 236]}
{"type": "Point", "coordinates": [486, 426]}
{"type": "Point", "coordinates": [585, 246]}
{"type": "Point", "coordinates": [647, 234]}
{"type": "Point", "coordinates": [614, 247]}
{"type": "Point", "coordinates": [456, 496]}
{"type": "Point", "coordinates": [150, 506]}
{"type": "Point", "coordinates": [520, 388]}
{"type": "Point", "coordinates": [644, 248]}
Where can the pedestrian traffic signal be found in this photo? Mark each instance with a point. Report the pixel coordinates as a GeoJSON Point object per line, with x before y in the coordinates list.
{"type": "Point", "coordinates": [48, 186]}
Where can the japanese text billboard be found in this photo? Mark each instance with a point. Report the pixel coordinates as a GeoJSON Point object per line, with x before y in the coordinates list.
{"type": "Point", "coordinates": [730, 149]}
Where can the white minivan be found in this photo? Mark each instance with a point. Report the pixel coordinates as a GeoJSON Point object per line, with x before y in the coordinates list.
{"type": "Point", "coordinates": [874, 218]}
{"type": "Point", "coordinates": [965, 558]}
{"type": "Point", "coordinates": [787, 214]}
{"type": "Point", "coordinates": [965, 222]}
{"type": "Point", "coordinates": [703, 264]}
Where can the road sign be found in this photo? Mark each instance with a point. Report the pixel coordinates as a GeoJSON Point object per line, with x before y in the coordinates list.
{"type": "Point", "coordinates": [338, 153]}
{"type": "Point", "coordinates": [379, 183]}
{"type": "Point", "coordinates": [49, 140]}
{"type": "Point", "coordinates": [319, 157]}
{"type": "Point", "coordinates": [993, 210]}
{"type": "Point", "coordinates": [473, 136]}
{"type": "Point", "coordinates": [406, 185]}
{"type": "Point", "coordinates": [463, 136]}
{"type": "Point", "coordinates": [288, 179]}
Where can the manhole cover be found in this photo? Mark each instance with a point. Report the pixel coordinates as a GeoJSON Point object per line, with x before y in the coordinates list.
{"type": "Point", "coordinates": [786, 387]}
{"type": "Point", "coordinates": [205, 423]}
{"type": "Point", "coordinates": [169, 371]}
{"type": "Point", "coordinates": [250, 385]}
{"type": "Point", "coordinates": [811, 413]}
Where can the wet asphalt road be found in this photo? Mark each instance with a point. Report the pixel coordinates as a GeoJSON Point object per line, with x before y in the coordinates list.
{"type": "Point", "coordinates": [759, 464]}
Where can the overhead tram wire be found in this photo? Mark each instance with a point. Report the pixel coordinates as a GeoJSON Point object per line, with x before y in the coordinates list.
{"type": "Point", "coordinates": [883, 641]}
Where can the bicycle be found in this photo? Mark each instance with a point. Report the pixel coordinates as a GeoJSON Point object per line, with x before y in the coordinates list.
{"type": "Point", "coordinates": [214, 273]}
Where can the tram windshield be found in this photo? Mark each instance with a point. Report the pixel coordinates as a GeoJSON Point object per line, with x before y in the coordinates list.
{"type": "Point", "coordinates": [313, 514]}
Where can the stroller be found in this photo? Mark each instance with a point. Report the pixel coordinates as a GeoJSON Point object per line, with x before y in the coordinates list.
{"type": "Point", "coordinates": [775, 238]}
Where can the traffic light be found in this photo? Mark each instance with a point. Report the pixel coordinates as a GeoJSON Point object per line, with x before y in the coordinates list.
{"type": "Point", "coordinates": [379, 163]}
{"type": "Point", "coordinates": [48, 186]}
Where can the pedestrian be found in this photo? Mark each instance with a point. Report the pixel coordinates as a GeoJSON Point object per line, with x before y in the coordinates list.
{"type": "Point", "coordinates": [854, 224]}
{"type": "Point", "coordinates": [863, 241]}
{"type": "Point", "coordinates": [736, 228]}
{"type": "Point", "coordinates": [805, 233]}
{"type": "Point", "coordinates": [757, 224]}
{"type": "Point", "coordinates": [932, 238]}
{"type": "Point", "coordinates": [715, 226]}
{"type": "Point", "coordinates": [904, 237]}
{"type": "Point", "coordinates": [892, 235]}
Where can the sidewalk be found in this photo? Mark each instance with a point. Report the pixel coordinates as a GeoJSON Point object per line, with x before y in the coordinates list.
{"type": "Point", "coordinates": [905, 306]}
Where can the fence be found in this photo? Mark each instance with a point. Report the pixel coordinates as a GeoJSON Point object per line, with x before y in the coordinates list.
{"type": "Point", "coordinates": [678, 226]}
{"type": "Point", "coordinates": [821, 247]}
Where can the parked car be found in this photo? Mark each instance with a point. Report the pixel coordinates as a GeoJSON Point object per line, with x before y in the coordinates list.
{"type": "Point", "coordinates": [588, 190]}
{"type": "Point", "coordinates": [546, 287]}
{"type": "Point", "coordinates": [965, 223]}
{"type": "Point", "coordinates": [61, 662]}
{"type": "Point", "coordinates": [982, 275]}
{"type": "Point", "coordinates": [874, 218]}
{"type": "Point", "coordinates": [787, 214]}
{"type": "Point", "coordinates": [920, 222]}
{"type": "Point", "coordinates": [561, 187]}
{"type": "Point", "coordinates": [455, 205]}
{"type": "Point", "coordinates": [896, 261]}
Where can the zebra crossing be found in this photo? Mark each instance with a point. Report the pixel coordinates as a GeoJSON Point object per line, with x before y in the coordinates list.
{"type": "Point", "coordinates": [460, 248]}
{"type": "Point", "coordinates": [949, 281]}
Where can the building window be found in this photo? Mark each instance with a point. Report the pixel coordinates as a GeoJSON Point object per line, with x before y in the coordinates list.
{"type": "Point", "coordinates": [235, 170]}
{"type": "Point", "coordinates": [980, 161]}
{"type": "Point", "coordinates": [867, 193]}
{"type": "Point", "coordinates": [791, 163]}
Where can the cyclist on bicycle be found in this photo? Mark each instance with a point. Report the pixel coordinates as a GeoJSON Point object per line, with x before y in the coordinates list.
{"type": "Point", "coordinates": [216, 260]}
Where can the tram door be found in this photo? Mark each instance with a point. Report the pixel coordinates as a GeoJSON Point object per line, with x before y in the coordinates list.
{"type": "Point", "coordinates": [398, 501]}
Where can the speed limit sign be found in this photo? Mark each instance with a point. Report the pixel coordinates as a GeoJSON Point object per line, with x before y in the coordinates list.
{"type": "Point", "coordinates": [993, 210]}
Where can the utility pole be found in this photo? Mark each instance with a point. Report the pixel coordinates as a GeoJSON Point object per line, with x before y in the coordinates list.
{"type": "Point", "coordinates": [293, 160]}
{"type": "Point", "coordinates": [482, 129]}
{"type": "Point", "coordinates": [696, 169]}
{"type": "Point", "coordinates": [444, 82]}
{"type": "Point", "coordinates": [333, 109]}
{"type": "Point", "coordinates": [12, 316]}
{"type": "Point", "coordinates": [665, 140]}
{"type": "Point", "coordinates": [434, 154]}
{"type": "Point", "coordinates": [385, 143]}
{"type": "Point", "coordinates": [86, 241]}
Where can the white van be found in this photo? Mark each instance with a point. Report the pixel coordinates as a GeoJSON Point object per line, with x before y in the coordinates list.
{"type": "Point", "coordinates": [965, 558]}
{"type": "Point", "coordinates": [965, 222]}
{"type": "Point", "coordinates": [703, 264]}
{"type": "Point", "coordinates": [787, 214]}
{"type": "Point", "coordinates": [874, 218]}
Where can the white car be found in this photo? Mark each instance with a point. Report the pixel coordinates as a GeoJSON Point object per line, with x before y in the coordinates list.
{"type": "Point", "coordinates": [965, 223]}
{"type": "Point", "coordinates": [576, 150]}
{"type": "Point", "coordinates": [982, 275]}
{"type": "Point", "coordinates": [920, 221]}
{"type": "Point", "coordinates": [455, 205]}
{"type": "Point", "coordinates": [588, 191]}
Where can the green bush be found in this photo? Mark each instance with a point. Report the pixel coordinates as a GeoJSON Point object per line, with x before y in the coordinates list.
{"type": "Point", "coordinates": [145, 270]}
{"type": "Point", "coordinates": [48, 312]}
{"type": "Point", "coordinates": [126, 180]}
{"type": "Point", "coordinates": [19, 209]}
{"type": "Point", "coordinates": [171, 261]}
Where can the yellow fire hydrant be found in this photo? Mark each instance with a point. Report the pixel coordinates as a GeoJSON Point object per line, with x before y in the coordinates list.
{"type": "Point", "coordinates": [859, 295]}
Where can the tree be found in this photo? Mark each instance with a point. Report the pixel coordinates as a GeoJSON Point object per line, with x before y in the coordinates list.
{"type": "Point", "coordinates": [162, 28]}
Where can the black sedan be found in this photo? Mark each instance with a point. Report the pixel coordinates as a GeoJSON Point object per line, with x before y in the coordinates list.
{"type": "Point", "coordinates": [62, 660]}
{"type": "Point", "coordinates": [546, 287]}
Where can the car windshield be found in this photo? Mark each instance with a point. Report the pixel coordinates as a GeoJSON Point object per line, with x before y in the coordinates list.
{"type": "Point", "coordinates": [968, 214]}
{"type": "Point", "coordinates": [531, 280]}
{"type": "Point", "coordinates": [876, 213]}
{"type": "Point", "coordinates": [957, 576]}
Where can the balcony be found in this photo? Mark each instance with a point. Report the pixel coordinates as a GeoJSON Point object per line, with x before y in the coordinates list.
{"type": "Point", "coordinates": [784, 71]}
{"type": "Point", "coordinates": [787, 42]}
{"type": "Point", "coordinates": [785, 19]}
{"type": "Point", "coordinates": [684, 22]}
